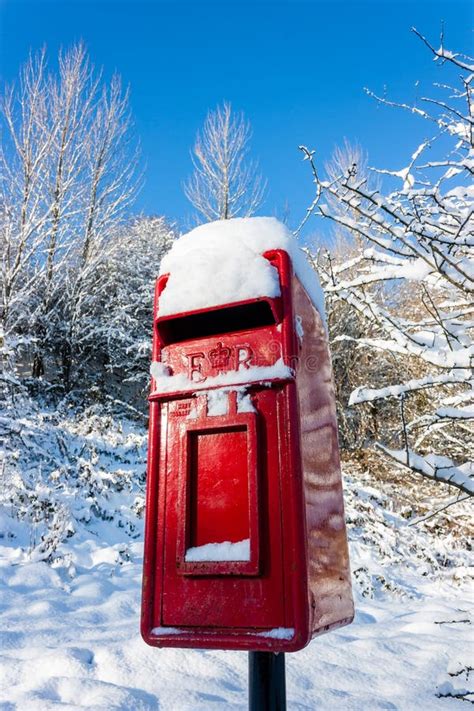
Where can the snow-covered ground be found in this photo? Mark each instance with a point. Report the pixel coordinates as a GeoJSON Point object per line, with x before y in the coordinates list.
{"type": "Point", "coordinates": [70, 638]}
{"type": "Point", "coordinates": [69, 629]}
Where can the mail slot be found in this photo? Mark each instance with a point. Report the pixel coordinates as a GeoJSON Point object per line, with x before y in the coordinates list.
{"type": "Point", "coordinates": [245, 540]}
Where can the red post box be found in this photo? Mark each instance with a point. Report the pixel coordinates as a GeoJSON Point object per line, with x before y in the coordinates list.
{"type": "Point", "coordinates": [245, 542]}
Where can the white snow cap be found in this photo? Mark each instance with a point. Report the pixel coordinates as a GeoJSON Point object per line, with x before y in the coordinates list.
{"type": "Point", "coordinates": [221, 262]}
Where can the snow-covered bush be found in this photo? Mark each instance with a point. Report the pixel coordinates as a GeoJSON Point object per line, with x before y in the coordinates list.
{"type": "Point", "coordinates": [411, 282]}
{"type": "Point", "coordinates": [70, 466]}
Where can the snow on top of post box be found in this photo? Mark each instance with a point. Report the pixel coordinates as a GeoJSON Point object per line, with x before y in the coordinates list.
{"type": "Point", "coordinates": [221, 262]}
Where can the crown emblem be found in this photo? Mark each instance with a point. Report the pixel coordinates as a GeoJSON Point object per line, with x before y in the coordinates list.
{"type": "Point", "coordinates": [220, 357]}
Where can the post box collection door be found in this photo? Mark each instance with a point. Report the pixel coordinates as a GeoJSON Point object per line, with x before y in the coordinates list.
{"type": "Point", "coordinates": [222, 563]}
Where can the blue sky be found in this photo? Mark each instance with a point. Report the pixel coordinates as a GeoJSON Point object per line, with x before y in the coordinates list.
{"type": "Point", "coordinates": [297, 69]}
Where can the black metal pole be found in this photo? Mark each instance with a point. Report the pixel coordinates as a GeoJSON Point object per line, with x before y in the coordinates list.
{"type": "Point", "coordinates": [267, 685]}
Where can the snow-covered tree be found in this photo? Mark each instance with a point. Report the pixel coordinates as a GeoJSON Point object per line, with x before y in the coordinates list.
{"type": "Point", "coordinates": [225, 183]}
{"type": "Point", "coordinates": [67, 175]}
{"type": "Point", "coordinates": [350, 368]}
{"type": "Point", "coordinates": [412, 280]}
{"type": "Point", "coordinates": [117, 320]}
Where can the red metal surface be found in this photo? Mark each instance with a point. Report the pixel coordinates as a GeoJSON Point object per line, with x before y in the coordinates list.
{"type": "Point", "coordinates": [329, 577]}
{"type": "Point", "coordinates": [268, 473]}
{"type": "Point", "coordinates": [218, 495]}
{"type": "Point", "coordinates": [218, 600]}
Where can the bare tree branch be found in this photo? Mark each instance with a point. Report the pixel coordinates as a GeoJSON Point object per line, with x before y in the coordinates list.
{"type": "Point", "coordinates": [224, 183]}
{"type": "Point", "coordinates": [409, 280]}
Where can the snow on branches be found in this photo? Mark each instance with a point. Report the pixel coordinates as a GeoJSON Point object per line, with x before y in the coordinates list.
{"type": "Point", "coordinates": [67, 177]}
{"type": "Point", "coordinates": [412, 278]}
